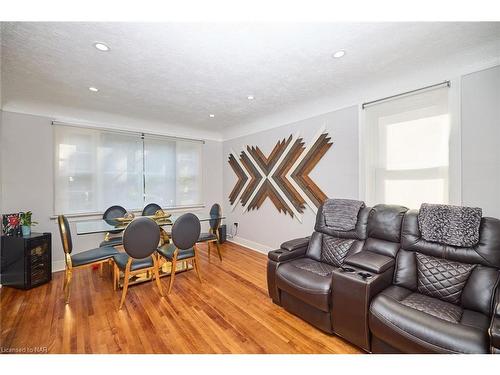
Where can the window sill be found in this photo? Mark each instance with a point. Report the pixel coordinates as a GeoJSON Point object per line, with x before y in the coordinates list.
{"type": "Point", "coordinates": [98, 215]}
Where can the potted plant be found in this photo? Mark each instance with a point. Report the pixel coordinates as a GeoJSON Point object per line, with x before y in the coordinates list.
{"type": "Point", "coordinates": [26, 222]}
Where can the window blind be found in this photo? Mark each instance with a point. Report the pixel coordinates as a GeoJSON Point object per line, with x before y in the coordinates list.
{"type": "Point", "coordinates": [95, 169]}
{"type": "Point", "coordinates": [407, 150]}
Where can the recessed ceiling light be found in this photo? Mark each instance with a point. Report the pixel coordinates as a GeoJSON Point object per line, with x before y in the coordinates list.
{"type": "Point", "coordinates": [211, 115]}
{"type": "Point", "coordinates": [93, 89]}
{"type": "Point", "coordinates": [339, 54]}
{"type": "Point", "coordinates": [250, 97]}
{"type": "Point", "coordinates": [101, 47]}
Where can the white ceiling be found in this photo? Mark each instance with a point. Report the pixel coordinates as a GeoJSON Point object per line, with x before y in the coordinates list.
{"type": "Point", "coordinates": [179, 73]}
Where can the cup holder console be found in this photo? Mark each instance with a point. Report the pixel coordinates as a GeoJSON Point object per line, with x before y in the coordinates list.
{"type": "Point", "coordinates": [365, 275]}
{"type": "Point", "coordinates": [347, 269]}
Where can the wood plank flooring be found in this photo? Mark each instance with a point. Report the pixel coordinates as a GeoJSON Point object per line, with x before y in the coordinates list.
{"type": "Point", "coordinates": [229, 313]}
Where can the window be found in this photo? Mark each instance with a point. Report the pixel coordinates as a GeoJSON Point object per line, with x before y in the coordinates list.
{"type": "Point", "coordinates": [95, 169]}
{"type": "Point", "coordinates": [407, 150]}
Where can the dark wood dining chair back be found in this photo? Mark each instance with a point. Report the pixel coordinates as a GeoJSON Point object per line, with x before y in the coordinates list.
{"type": "Point", "coordinates": [65, 232]}
{"type": "Point", "coordinates": [150, 209]}
{"type": "Point", "coordinates": [141, 238]}
{"type": "Point", "coordinates": [215, 220]}
{"type": "Point", "coordinates": [185, 231]}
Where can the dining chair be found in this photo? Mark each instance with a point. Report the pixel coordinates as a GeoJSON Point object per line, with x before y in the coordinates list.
{"type": "Point", "coordinates": [113, 212]}
{"type": "Point", "coordinates": [185, 233]}
{"type": "Point", "coordinates": [151, 209]}
{"type": "Point", "coordinates": [91, 257]}
{"type": "Point", "coordinates": [140, 241]}
{"type": "Point", "coordinates": [212, 236]}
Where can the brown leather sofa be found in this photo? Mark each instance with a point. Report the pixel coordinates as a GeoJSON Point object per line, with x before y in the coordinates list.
{"type": "Point", "coordinates": [299, 274]}
{"type": "Point", "coordinates": [442, 298]}
{"type": "Point", "coordinates": [372, 297]}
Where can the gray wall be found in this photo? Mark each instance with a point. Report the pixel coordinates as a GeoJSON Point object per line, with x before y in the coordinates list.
{"type": "Point", "coordinates": [481, 140]}
{"type": "Point", "coordinates": [336, 174]}
{"type": "Point", "coordinates": [26, 155]}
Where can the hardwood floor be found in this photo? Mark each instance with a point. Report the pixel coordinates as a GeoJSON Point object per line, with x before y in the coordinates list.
{"type": "Point", "coordinates": [229, 313]}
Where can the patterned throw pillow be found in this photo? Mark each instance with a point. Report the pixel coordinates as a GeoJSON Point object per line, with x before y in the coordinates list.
{"type": "Point", "coordinates": [450, 225]}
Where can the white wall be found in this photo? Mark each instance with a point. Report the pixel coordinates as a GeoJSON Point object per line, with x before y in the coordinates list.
{"type": "Point", "coordinates": [474, 155]}
{"type": "Point", "coordinates": [336, 174]}
{"type": "Point", "coordinates": [26, 155]}
{"type": "Point", "coordinates": [481, 140]}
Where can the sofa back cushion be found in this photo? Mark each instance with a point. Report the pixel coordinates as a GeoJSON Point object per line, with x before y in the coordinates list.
{"type": "Point", "coordinates": [442, 278]}
{"type": "Point", "coordinates": [384, 229]}
{"type": "Point", "coordinates": [464, 276]}
{"type": "Point", "coordinates": [332, 250]}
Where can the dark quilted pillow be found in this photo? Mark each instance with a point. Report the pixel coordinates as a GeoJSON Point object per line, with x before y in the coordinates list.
{"type": "Point", "coordinates": [334, 250]}
{"type": "Point", "coordinates": [442, 278]}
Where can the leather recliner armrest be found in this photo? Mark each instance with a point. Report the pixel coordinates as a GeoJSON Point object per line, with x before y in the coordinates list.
{"type": "Point", "coordinates": [295, 244]}
{"type": "Point", "coordinates": [282, 255]}
{"type": "Point", "coordinates": [289, 250]}
{"type": "Point", "coordinates": [494, 330]}
{"type": "Point", "coordinates": [370, 261]}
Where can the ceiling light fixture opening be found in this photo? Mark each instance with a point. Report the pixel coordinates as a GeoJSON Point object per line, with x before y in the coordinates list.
{"type": "Point", "coordinates": [211, 115]}
{"type": "Point", "coordinates": [101, 46]}
{"type": "Point", "coordinates": [250, 97]}
{"type": "Point", "coordinates": [339, 54]}
{"type": "Point", "coordinates": [93, 89]}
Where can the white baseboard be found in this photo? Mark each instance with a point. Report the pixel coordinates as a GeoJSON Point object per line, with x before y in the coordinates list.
{"type": "Point", "coordinates": [58, 265]}
{"type": "Point", "coordinates": [264, 249]}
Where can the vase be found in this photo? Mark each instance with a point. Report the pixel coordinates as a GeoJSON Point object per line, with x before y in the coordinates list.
{"type": "Point", "coordinates": [26, 230]}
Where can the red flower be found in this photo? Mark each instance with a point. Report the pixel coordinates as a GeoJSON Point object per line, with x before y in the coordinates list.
{"type": "Point", "coordinates": [13, 220]}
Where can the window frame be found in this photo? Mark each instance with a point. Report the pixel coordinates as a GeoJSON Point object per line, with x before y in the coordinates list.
{"type": "Point", "coordinates": [366, 150]}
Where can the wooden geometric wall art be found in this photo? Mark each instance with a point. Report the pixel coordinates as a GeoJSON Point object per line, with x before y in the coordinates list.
{"type": "Point", "coordinates": [283, 176]}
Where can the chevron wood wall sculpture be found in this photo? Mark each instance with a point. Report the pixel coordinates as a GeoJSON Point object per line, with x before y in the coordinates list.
{"type": "Point", "coordinates": [283, 176]}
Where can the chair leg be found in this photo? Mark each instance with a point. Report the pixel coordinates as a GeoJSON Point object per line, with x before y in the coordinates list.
{"type": "Point", "coordinates": [208, 247]}
{"type": "Point", "coordinates": [172, 273]}
{"type": "Point", "coordinates": [157, 275]}
{"type": "Point", "coordinates": [67, 285]}
{"type": "Point", "coordinates": [218, 250]}
{"type": "Point", "coordinates": [196, 262]}
{"type": "Point", "coordinates": [125, 284]}
{"type": "Point", "coordinates": [115, 277]}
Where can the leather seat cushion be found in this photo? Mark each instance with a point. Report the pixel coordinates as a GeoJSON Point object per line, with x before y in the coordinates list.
{"type": "Point", "coordinates": [207, 237]}
{"type": "Point", "coordinates": [94, 255]}
{"type": "Point", "coordinates": [167, 251]}
{"type": "Point", "coordinates": [114, 241]}
{"type": "Point", "coordinates": [121, 260]}
{"type": "Point", "coordinates": [307, 280]}
{"type": "Point", "coordinates": [416, 323]}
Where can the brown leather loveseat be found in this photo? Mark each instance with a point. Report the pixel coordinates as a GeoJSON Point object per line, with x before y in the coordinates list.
{"type": "Point", "coordinates": [390, 290]}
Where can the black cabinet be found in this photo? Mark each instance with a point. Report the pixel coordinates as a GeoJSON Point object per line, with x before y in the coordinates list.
{"type": "Point", "coordinates": [26, 262]}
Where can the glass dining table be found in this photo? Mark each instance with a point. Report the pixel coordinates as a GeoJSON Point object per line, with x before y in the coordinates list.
{"type": "Point", "coordinates": [115, 226]}
{"type": "Point", "coordinates": [94, 226]}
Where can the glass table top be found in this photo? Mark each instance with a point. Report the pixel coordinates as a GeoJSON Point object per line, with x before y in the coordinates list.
{"type": "Point", "coordinates": [104, 226]}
